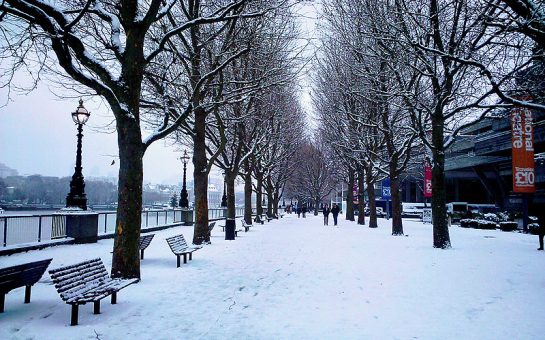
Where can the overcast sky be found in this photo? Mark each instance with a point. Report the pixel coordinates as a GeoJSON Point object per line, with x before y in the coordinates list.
{"type": "Point", "coordinates": [38, 136]}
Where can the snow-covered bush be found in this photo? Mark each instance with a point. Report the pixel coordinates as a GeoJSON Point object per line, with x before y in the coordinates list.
{"type": "Point", "coordinates": [503, 216]}
{"type": "Point", "coordinates": [508, 226]}
{"type": "Point", "coordinates": [491, 217]}
{"type": "Point", "coordinates": [484, 224]}
{"type": "Point", "coordinates": [534, 228]}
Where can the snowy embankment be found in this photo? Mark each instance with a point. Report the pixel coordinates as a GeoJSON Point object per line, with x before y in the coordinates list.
{"type": "Point", "coordinates": [296, 279]}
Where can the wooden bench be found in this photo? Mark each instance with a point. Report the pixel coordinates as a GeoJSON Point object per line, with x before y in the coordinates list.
{"type": "Point", "coordinates": [179, 246]}
{"type": "Point", "coordinates": [276, 216]}
{"type": "Point", "coordinates": [268, 218]}
{"type": "Point", "coordinates": [245, 226]}
{"type": "Point", "coordinates": [84, 282]}
{"type": "Point", "coordinates": [258, 219]}
{"type": "Point", "coordinates": [26, 275]}
{"type": "Point", "coordinates": [144, 243]}
{"type": "Point", "coordinates": [210, 227]}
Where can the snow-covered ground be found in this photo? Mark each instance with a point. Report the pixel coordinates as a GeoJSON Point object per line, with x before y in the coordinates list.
{"type": "Point", "coordinates": [296, 279]}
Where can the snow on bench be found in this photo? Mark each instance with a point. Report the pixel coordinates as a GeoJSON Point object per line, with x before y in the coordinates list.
{"type": "Point", "coordinates": [144, 243]}
{"type": "Point", "coordinates": [84, 282]}
{"type": "Point", "coordinates": [26, 275]}
{"type": "Point", "coordinates": [179, 246]}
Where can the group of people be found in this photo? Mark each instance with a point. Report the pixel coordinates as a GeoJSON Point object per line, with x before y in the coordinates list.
{"type": "Point", "coordinates": [334, 210]}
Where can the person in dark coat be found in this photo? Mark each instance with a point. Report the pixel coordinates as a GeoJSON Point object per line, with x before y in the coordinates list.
{"type": "Point", "coordinates": [304, 211]}
{"type": "Point", "coordinates": [326, 214]}
{"type": "Point", "coordinates": [298, 211]}
{"type": "Point", "coordinates": [335, 212]}
{"type": "Point", "coordinates": [541, 230]}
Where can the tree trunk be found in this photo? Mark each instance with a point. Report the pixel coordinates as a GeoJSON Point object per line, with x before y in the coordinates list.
{"type": "Point", "coordinates": [397, 223]}
{"type": "Point", "coordinates": [270, 202]}
{"type": "Point", "coordinates": [361, 199]}
{"type": "Point", "coordinates": [441, 237]}
{"type": "Point", "coordinates": [230, 184]}
{"type": "Point", "coordinates": [350, 197]}
{"type": "Point", "coordinates": [372, 201]}
{"type": "Point", "coordinates": [316, 205]}
{"type": "Point", "coordinates": [126, 253]}
{"type": "Point", "coordinates": [258, 194]}
{"type": "Point", "coordinates": [200, 179]}
{"type": "Point", "coordinates": [248, 195]}
{"type": "Point", "coordinates": [276, 202]}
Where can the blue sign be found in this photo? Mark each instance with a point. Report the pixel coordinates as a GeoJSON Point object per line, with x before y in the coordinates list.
{"type": "Point", "coordinates": [386, 189]}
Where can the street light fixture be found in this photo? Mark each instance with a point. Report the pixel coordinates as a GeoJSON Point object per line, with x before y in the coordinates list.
{"type": "Point", "coordinates": [184, 202]}
{"type": "Point", "coordinates": [76, 197]}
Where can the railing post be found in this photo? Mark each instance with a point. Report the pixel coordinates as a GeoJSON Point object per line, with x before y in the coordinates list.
{"type": "Point", "coordinates": [40, 229]}
{"type": "Point", "coordinates": [157, 218]}
{"type": "Point", "coordinates": [105, 222]}
{"type": "Point", "coordinates": [147, 218]}
{"type": "Point", "coordinates": [166, 216]}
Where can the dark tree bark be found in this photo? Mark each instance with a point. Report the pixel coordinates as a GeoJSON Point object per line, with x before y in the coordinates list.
{"type": "Point", "coordinates": [361, 198]}
{"type": "Point", "coordinates": [126, 258]}
{"type": "Point", "coordinates": [397, 223]}
{"type": "Point", "coordinates": [441, 237]}
{"type": "Point", "coordinates": [372, 200]}
{"type": "Point", "coordinates": [200, 179]}
{"type": "Point", "coordinates": [248, 194]}
{"type": "Point", "coordinates": [230, 184]}
{"type": "Point", "coordinates": [350, 197]}
{"type": "Point", "coordinates": [259, 193]}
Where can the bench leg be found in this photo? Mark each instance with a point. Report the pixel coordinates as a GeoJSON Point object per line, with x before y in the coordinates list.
{"type": "Point", "coordinates": [114, 298]}
{"type": "Point", "coordinates": [185, 258]}
{"type": "Point", "coordinates": [141, 254]}
{"type": "Point", "coordinates": [177, 261]}
{"type": "Point", "coordinates": [96, 307]}
{"type": "Point", "coordinates": [74, 316]}
{"type": "Point", "coordinates": [27, 293]}
{"type": "Point", "coordinates": [190, 256]}
{"type": "Point", "coordinates": [2, 300]}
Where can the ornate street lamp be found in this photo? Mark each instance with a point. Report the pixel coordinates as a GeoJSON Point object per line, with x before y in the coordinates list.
{"type": "Point", "coordinates": [224, 197]}
{"type": "Point", "coordinates": [76, 197]}
{"type": "Point", "coordinates": [184, 202]}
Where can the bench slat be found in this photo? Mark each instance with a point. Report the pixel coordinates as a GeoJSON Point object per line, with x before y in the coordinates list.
{"type": "Point", "coordinates": [22, 275]}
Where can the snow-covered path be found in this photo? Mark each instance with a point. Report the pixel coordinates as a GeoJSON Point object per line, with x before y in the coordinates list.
{"type": "Point", "coordinates": [296, 279]}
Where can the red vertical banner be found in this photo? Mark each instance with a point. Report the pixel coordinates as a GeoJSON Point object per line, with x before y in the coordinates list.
{"type": "Point", "coordinates": [522, 148]}
{"type": "Point", "coordinates": [427, 179]}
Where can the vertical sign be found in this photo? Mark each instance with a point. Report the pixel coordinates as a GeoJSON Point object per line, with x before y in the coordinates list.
{"type": "Point", "coordinates": [522, 148]}
{"type": "Point", "coordinates": [386, 189]}
{"type": "Point", "coordinates": [427, 179]}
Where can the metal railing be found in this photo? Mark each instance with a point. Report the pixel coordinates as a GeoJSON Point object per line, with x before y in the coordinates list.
{"type": "Point", "coordinates": [18, 229]}
{"type": "Point", "coordinates": [31, 228]}
{"type": "Point", "coordinates": [150, 218]}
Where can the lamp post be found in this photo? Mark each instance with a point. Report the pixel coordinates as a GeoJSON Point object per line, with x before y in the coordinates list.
{"type": "Point", "coordinates": [224, 197]}
{"type": "Point", "coordinates": [76, 197]}
{"type": "Point", "coordinates": [184, 202]}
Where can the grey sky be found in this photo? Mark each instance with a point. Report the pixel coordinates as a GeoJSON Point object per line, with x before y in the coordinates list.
{"type": "Point", "coordinates": [38, 136]}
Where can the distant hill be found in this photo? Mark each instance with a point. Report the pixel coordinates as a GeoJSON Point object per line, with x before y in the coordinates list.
{"type": "Point", "coordinates": [6, 171]}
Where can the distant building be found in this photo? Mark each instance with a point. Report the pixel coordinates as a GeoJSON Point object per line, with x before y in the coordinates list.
{"type": "Point", "coordinates": [6, 171]}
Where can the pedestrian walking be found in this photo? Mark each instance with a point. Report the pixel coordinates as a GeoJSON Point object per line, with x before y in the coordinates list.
{"type": "Point", "coordinates": [541, 230]}
{"type": "Point", "coordinates": [304, 210]}
{"type": "Point", "coordinates": [335, 212]}
{"type": "Point", "coordinates": [298, 211]}
{"type": "Point", "coordinates": [326, 211]}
